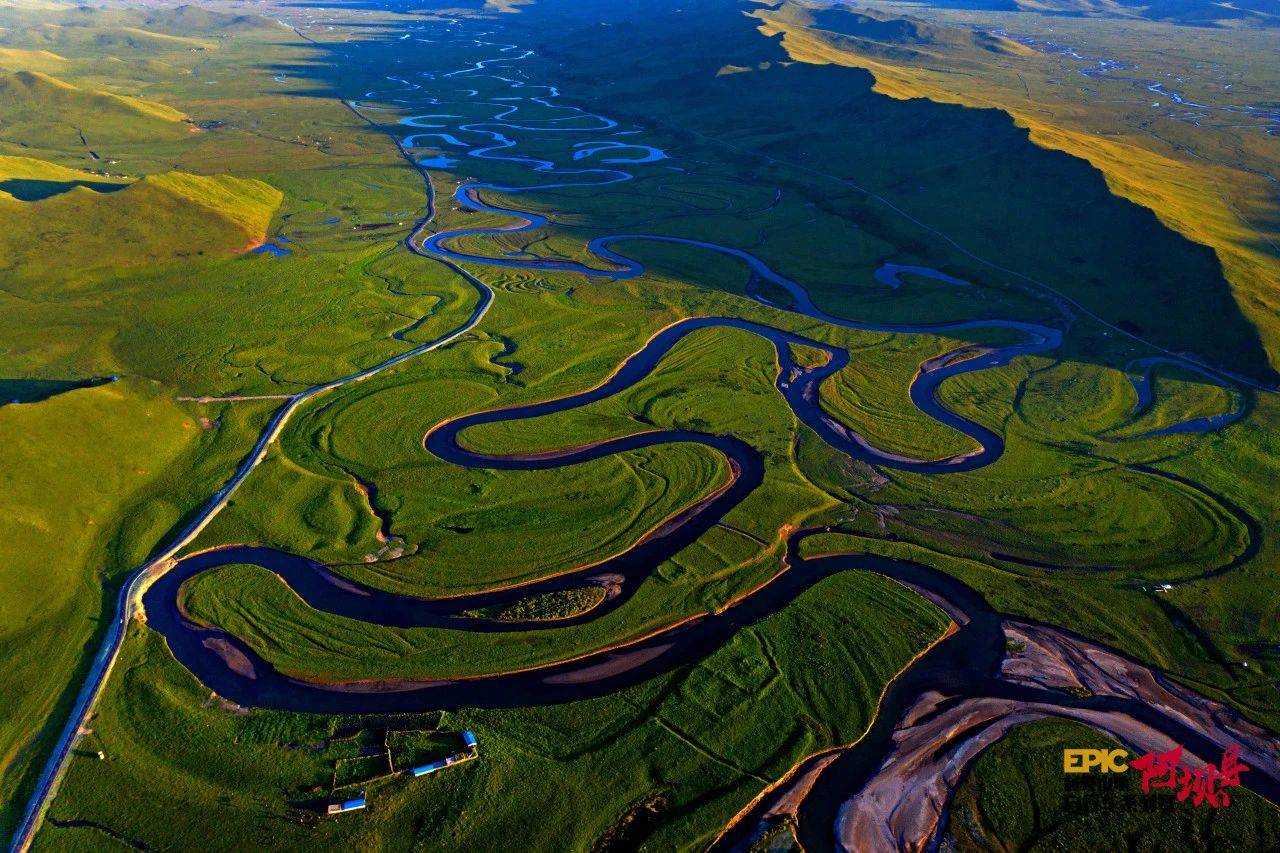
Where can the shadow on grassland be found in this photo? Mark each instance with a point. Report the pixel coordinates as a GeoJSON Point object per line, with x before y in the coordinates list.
{"type": "Point", "coordinates": [948, 183]}
{"type": "Point", "coordinates": [36, 390]}
{"type": "Point", "coordinates": [31, 189]}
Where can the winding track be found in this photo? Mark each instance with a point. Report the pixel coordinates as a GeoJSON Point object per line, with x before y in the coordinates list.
{"type": "Point", "coordinates": [156, 583]}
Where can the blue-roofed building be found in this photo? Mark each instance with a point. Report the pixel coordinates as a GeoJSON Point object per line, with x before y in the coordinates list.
{"type": "Point", "coordinates": [467, 738]}
{"type": "Point", "coordinates": [428, 768]}
{"type": "Point", "coordinates": [348, 805]}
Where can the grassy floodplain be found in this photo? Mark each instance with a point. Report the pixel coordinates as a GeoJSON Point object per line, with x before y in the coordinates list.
{"type": "Point", "coordinates": [691, 747]}
{"type": "Point", "coordinates": [249, 140]}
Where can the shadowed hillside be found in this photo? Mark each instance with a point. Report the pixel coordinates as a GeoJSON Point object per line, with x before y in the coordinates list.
{"type": "Point", "coordinates": [1205, 184]}
{"type": "Point", "coordinates": [194, 19]}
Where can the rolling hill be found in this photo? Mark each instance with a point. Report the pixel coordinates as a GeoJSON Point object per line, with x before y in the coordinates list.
{"type": "Point", "coordinates": [17, 59]}
{"type": "Point", "coordinates": [148, 221]}
{"type": "Point", "coordinates": [45, 112]}
{"type": "Point", "coordinates": [874, 28]}
{"type": "Point", "coordinates": [29, 179]}
{"type": "Point", "coordinates": [194, 19]}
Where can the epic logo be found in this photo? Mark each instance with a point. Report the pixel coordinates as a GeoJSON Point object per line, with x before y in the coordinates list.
{"type": "Point", "coordinates": [1089, 760]}
{"type": "Point", "coordinates": [1164, 770]}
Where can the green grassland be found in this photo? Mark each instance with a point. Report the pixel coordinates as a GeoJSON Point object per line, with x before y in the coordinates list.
{"type": "Point", "coordinates": [231, 214]}
{"type": "Point", "coordinates": [1016, 797]}
{"type": "Point", "coordinates": [129, 464]}
{"type": "Point", "coordinates": [29, 179]}
{"type": "Point", "coordinates": [1062, 494]}
{"type": "Point", "coordinates": [1069, 525]}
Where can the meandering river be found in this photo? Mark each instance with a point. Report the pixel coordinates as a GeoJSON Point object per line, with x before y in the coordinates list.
{"type": "Point", "coordinates": [970, 664]}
